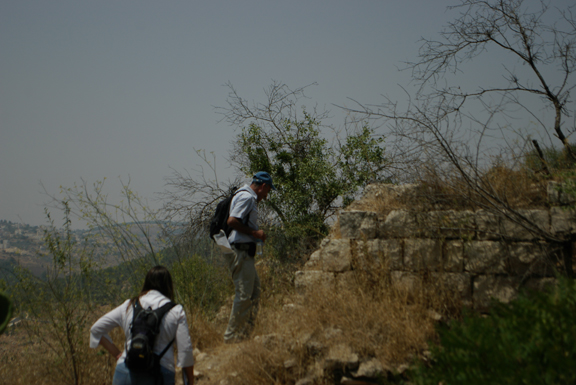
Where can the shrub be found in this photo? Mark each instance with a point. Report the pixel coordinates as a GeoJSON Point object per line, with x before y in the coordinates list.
{"type": "Point", "coordinates": [555, 158]}
{"type": "Point", "coordinates": [531, 341]}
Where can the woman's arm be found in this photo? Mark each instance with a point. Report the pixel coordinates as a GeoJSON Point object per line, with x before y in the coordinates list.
{"type": "Point", "coordinates": [99, 331]}
{"type": "Point", "coordinates": [110, 347]}
{"type": "Point", "coordinates": [189, 370]}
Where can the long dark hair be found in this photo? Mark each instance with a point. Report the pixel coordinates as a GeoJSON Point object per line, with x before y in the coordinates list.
{"type": "Point", "coordinates": [158, 278]}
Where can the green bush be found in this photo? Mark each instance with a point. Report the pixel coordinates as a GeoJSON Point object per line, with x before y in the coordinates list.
{"type": "Point", "coordinates": [530, 341]}
{"type": "Point", "coordinates": [200, 285]}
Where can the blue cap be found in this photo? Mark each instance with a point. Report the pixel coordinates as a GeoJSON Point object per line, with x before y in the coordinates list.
{"type": "Point", "coordinates": [263, 177]}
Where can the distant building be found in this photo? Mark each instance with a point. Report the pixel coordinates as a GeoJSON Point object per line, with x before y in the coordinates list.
{"type": "Point", "coordinates": [4, 244]}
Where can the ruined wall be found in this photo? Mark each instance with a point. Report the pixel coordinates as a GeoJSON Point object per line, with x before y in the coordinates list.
{"type": "Point", "coordinates": [477, 254]}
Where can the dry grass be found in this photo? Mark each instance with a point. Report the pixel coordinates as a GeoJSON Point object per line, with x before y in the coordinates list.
{"type": "Point", "coordinates": [25, 360]}
{"type": "Point", "coordinates": [382, 202]}
{"type": "Point", "coordinates": [292, 334]}
{"type": "Point", "coordinates": [370, 316]}
{"type": "Point", "coordinates": [498, 185]}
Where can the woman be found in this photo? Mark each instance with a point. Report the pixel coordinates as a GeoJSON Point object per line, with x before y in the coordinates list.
{"type": "Point", "coordinates": [157, 291]}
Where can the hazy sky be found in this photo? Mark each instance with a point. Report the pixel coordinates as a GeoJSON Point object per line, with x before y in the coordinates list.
{"type": "Point", "coordinates": [94, 89]}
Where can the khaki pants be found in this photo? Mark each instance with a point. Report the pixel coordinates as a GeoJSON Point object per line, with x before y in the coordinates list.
{"type": "Point", "coordinates": [246, 300]}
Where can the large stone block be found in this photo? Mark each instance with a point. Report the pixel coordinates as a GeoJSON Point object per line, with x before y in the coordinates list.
{"type": "Point", "coordinates": [399, 224]}
{"type": "Point", "coordinates": [379, 251]}
{"type": "Point", "coordinates": [532, 258]}
{"type": "Point", "coordinates": [453, 256]}
{"type": "Point", "coordinates": [406, 281]}
{"type": "Point", "coordinates": [562, 220]}
{"type": "Point", "coordinates": [485, 257]}
{"type": "Point", "coordinates": [346, 280]}
{"type": "Point", "coordinates": [452, 224]}
{"type": "Point", "coordinates": [430, 224]}
{"type": "Point", "coordinates": [411, 282]}
{"type": "Point", "coordinates": [423, 254]}
{"type": "Point", "coordinates": [488, 287]}
{"type": "Point", "coordinates": [314, 262]}
{"type": "Point", "coordinates": [524, 224]}
{"type": "Point", "coordinates": [558, 194]}
{"type": "Point", "coordinates": [539, 284]}
{"type": "Point", "coordinates": [308, 280]}
{"type": "Point", "coordinates": [336, 256]}
{"type": "Point", "coordinates": [488, 225]}
{"type": "Point", "coordinates": [519, 225]}
{"type": "Point", "coordinates": [460, 283]}
{"type": "Point", "coordinates": [358, 224]}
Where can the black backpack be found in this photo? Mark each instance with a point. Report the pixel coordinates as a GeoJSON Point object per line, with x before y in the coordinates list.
{"type": "Point", "coordinates": [145, 327]}
{"type": "Point", "coordinates": [220, 218]}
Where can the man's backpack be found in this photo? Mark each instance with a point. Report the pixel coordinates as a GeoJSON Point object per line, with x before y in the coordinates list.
{"type": "Point", "coordinates": [220, 218]}
{"type": "Point", "coordinates": [145, 327]}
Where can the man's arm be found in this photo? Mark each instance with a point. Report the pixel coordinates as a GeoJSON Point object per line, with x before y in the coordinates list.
{"type": "Point", "coordinates": [237, 225]}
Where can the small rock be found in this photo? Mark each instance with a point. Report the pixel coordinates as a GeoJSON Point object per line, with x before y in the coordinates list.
{"type": "Point", "coordinates": [342, 356]}
{"type": "Point", "coordinates": [314, 347]}
{"type": "Point", "coordinates": [331, 333]}
{"type": "Point", "coordinates": [434, 315]}
{"type": "Point", "coordinates": [290, 308]}
{"type": "Point", "coordinates": [269, 341]}
{"type": "Point", "coordinates": [372, 368]}
{"type": "Point", "coordinates": [289, 364]}
{"type": "Point", "coordinates": [402, 368]}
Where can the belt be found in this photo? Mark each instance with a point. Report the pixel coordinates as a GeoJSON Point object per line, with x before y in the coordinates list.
{"type": "Point", "coordinates": [243, 245]}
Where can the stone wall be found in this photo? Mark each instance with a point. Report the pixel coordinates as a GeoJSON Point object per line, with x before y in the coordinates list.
{"type": "Point", "coordinates": [477, 254]}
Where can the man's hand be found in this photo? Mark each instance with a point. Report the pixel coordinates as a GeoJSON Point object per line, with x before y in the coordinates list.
{"type": "Point", "coordinates": [237, 225]}
{"type": "Point", "coordinates": [259, 234]}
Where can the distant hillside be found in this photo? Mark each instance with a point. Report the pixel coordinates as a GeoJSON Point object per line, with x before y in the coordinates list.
{"type": "Point", "coordinates": [24, 244]}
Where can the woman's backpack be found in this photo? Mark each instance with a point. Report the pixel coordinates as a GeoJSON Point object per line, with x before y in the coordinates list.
{"type": "Point", "coordinates": [145, 327]}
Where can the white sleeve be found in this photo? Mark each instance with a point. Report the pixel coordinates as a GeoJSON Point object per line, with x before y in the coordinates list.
{"type": "Point", "coordinates": [242, 205]}
{"type": "Point", "coordinates": [106, 323]}
{"type": "Point", "coordinates": [183, 342]}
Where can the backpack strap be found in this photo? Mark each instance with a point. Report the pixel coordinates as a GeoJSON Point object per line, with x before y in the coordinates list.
{"type": "Point", "coordinates": [164, 309]}
{"type": "Point", "coordinates": [160, 312]}
{"type": "Point", "coordinates": [137, 308]}
{"type": "Point", "coordinates": [165, 349]}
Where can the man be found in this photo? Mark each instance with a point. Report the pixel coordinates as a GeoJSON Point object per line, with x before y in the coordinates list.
{"type": "Point", "coordinates": [243, 220]}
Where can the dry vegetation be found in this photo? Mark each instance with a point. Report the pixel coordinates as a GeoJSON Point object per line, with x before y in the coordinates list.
{"type": "Point", "coordinates": [368, 316]}
{"type": "Point", "coordinates": [497, 186]}
{"type": "Point", "coordinates": [295, 333]}
{"type": "Point", "coordinates": [24, 360]}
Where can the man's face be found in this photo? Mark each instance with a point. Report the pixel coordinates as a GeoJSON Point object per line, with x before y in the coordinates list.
{"type": "Point", "coordinates": [262, 192]}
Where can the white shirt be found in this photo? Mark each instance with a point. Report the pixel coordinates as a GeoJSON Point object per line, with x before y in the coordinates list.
{"type": "Point", "coordinates": [244, 205]}
{"type": "Point", "coordinates": [173, 324]}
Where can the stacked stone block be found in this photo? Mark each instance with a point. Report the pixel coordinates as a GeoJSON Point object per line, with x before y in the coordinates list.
{"type": "Point", "coordinates": [479, 254]}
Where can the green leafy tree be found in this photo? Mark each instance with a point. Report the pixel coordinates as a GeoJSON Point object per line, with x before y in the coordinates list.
{"type": "Point", "coordinates": [316, 168]}
{"type": "Point", "coordinates": [314, 176]}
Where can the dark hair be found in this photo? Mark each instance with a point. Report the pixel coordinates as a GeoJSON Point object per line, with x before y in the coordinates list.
{"type": "Point", "coordinates": [158, 278]}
